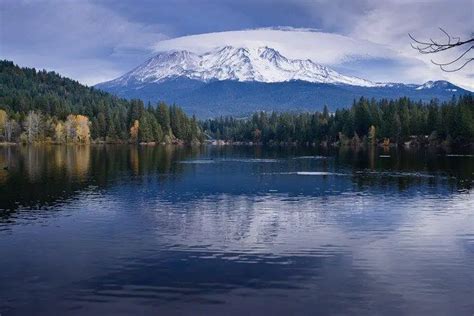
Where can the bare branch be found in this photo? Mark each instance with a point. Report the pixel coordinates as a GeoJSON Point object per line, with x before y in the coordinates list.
{"type": "Point", "coordinates": [433, 47]}
{"type": "Point", "coordinates": [453, 61]}
{"type": "Point", "coordinates": [459, 68]}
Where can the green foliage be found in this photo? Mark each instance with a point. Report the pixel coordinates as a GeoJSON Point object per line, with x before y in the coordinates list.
{"type": "Point", "coordinates": [397, 120]}
{"type": "Point", "coordinates": [37, 100]}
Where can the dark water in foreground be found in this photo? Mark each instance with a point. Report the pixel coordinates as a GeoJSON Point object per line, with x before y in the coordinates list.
{"type": "Point", "coordinates": [121, 230]}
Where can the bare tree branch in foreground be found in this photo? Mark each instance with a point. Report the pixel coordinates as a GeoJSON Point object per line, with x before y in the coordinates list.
{"type": "Point", "coordinates": [433, 47]}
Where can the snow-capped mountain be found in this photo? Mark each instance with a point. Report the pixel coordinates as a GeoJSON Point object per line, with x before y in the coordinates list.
{"type": "Point", "coordinates": [440, 84]}
{"type": "Point", "coordinates": [262, 64]}
{"type": "Point", "coordinates": [240, 80]}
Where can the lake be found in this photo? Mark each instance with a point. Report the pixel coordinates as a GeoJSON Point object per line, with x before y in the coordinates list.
{"type": "Point", "coordinates": [235, 230]}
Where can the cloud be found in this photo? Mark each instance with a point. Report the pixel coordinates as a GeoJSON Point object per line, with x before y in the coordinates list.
{"type": "Point", "coordinates": [351, 56]}
{"type": "Point", "coordinates": [73, 36]}
{"type": "Point", "coordinates": [323, 47]}
{"type": "Point", "coordinates": [389, 22]}
{"type": "Point", "coordinates": [90, 40]}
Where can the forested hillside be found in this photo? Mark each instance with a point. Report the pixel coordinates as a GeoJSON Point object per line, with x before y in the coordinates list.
{"type": "Point", "coordinates": [38, 106]}
{"type": "Point", "coordinates": [394, 121]}
{"type": "Point", "coordinates": [235, 98]}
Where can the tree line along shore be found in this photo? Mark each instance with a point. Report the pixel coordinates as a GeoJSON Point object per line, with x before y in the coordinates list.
{"type": "Point", "coordinates": [370, 122]}
{"type": "Point", "coordinates": [43, 107]}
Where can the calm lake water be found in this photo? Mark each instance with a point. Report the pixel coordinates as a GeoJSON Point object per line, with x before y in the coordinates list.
{"type": "Point", "coordinates": [234, 230]}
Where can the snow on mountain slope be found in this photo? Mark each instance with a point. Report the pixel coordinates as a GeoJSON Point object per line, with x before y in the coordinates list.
{"type": "Point", "coordinates": [262, 64]}
{"type": "Point", "coordinates": [440, 84]}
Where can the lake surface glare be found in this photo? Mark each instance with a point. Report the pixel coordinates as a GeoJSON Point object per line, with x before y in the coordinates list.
{"type": "Point", "coordinates": [235, 230]}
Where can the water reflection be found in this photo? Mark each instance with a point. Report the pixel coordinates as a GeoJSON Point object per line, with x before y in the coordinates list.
{"type": "Point", "coordinates": [125, 229]}
{"type": "Point", "coordinates": [36, 176]}
{"type": "Point", "coordinates": [39, 175]}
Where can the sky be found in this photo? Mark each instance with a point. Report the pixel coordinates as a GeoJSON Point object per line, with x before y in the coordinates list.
{"type": "Point", "coordinates": [94, 41]}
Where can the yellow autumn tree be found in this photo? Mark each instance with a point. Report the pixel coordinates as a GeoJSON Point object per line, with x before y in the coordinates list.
{"type": "Point", "coordinates": [372, 135]}
{"type": "Point", "coordinates": [59, 134]}
{"type": "Point", "coordinates": [134, 131]}
{"type": "Point", "coordinates": [83, 128]}
{"type": "Point", "coordinates": [77, 129]}
{"type": "Point", "coordinates": [3, 121]}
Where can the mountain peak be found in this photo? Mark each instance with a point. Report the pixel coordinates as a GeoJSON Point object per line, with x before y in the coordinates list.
{"type": "Point", "coordinates": [267, 52]}
{"type": "Point", "coordinates": [262, 64]}
{"type": "Point", "coordinates": [438, 84]}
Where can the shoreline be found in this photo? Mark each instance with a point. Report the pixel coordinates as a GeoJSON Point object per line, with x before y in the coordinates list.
{"type": "Point", "coordinates": [222, 143]}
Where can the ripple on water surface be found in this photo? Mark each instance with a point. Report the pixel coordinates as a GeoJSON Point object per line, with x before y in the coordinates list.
{"type": "Point", "coordinates": [127, 231]}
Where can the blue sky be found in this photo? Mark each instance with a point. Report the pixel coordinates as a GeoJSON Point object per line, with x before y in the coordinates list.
{"type": "Point", "coordinates": [93, 41]}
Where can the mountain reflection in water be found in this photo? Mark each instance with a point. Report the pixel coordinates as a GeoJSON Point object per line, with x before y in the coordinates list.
{"type": "Point", "coordinates": [232, 230]}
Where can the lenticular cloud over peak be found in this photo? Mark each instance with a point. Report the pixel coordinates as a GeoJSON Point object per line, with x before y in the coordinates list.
{"type": "Point", "coordinates": [343, 53]}
{"type": "Point", "coordinates": [326, 48]}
